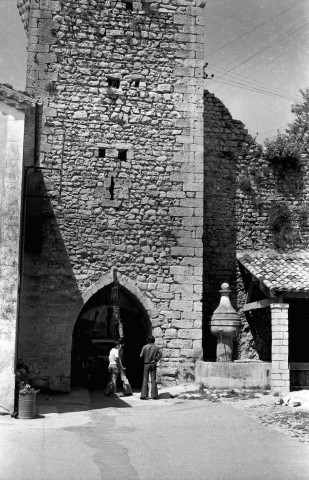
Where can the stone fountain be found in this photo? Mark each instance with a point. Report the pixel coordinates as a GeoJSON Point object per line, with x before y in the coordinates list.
{"type": "Point", "coordinates": [225, 325]}
{"type": "Point", "coordinates": [224, 373]}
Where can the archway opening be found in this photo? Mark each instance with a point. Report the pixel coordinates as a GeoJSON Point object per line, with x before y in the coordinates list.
{"type": "Point", "coordinates": [95, 332]}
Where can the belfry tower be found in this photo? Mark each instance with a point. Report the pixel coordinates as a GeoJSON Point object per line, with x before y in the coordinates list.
{"type": "Point", "coordinates": [115, 183]}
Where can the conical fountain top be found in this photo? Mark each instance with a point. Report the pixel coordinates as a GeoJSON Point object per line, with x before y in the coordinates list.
{"type": "Point", "coordinates": [225, 311]}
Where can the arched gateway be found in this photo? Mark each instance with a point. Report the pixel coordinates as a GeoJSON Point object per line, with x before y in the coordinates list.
{"type": "Point", "coordinates": [97, 327]}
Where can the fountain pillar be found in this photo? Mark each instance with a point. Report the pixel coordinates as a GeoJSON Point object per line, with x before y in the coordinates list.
{"type": "Point", "coordinates": [225, 325]}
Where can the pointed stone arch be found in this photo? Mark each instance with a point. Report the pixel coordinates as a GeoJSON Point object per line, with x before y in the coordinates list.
{"type": "Point", "coordinates": [137, 313]}
{"type": "Point", "coordinates": [128, 284]}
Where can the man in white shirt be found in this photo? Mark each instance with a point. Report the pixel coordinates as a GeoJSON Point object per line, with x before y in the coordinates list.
{"type": "Point", "coordinates": [115, 364]}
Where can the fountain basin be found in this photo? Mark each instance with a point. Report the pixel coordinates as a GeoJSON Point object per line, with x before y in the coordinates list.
{"type": "Point", "coordinates": [238, 374]}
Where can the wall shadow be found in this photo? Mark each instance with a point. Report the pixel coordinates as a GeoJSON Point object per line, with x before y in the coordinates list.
{"type": "Point", "coordinates": [79, 400]}
{"type": "Point", "coordinates": [223, 138]}
{"type": "Point", "coordinates": [50, 295]}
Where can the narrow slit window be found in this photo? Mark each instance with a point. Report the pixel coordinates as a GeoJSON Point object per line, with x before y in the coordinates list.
{"type": "Point", "coordinates": [136, 83]}
{"type": "Point", "coordinates": [102, 152]}
{"type": "Point", "coordinates": [113, 82]}
{"type": "Point", "coordinates": [112, 188]}
{"type": "Point", "coordinates": [122, 155]}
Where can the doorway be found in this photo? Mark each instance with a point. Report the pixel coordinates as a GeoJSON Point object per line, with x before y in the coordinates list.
{"type": "Point", "coordinates": [95, 333]}
{"type": "Point", "coordinates": [298, 343]}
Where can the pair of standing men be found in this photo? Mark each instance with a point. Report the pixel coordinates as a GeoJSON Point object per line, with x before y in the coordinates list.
{"type": "Point", "coordinates": [151, 355]}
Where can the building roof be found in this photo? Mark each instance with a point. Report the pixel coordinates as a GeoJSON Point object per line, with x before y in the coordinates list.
{"type": "Point", "coordinates": [278, 272]}
{"type": "Point", "coordinates": [19, 100]}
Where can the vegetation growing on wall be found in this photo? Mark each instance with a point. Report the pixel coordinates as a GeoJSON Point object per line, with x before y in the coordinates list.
{"type": "Point", "coordinates": [282, 151]}
{"type": "Point", "coordinates": [51, 88]}
{"type": "Point", "coordinates": [303, 215]}
{"type": "Point", "coordinates": [245, 184]}
{"type": "Point", "coordinates": [280, 220]}
{"type": "Point", "coordinates": [299, 129]}
{"type": "Point", "coordinates": [287, 148]}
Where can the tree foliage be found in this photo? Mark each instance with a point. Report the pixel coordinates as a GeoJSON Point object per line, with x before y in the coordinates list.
{"type": "Point", "coordinates": [290, 145]}
{"type": "Point", "coordinates": [299, 129]}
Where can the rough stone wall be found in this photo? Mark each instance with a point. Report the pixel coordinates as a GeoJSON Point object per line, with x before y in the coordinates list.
{"type": "Point", "coordinates": [268, 187]}
{"type": "Point", "coordinates": [151, 232]}
{"type": "Point", "coordinates": [224, 139]}
{"type": "Point", "coordinates": [242, 191]}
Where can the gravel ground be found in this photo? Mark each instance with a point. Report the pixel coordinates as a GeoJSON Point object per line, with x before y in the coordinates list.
{"type": "Point", "coordinates": [272, 411]}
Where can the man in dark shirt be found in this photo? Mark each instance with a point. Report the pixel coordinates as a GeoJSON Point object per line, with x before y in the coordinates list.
{"type": "Point", "coordinates": [151, 355]}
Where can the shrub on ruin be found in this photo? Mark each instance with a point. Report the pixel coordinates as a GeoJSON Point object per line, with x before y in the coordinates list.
{"type": "Point", "coordinates": [280, 221]}
{"type": "Point", "coordinates": [244, 184]}
{"type": "Point", "coordinates": [149, 8]}
{"type": "Point", "coordinates": [129, 38]}
{"type": "Point", "coordinates": [51, 88]}
{"type": "Point", "coordinates": [303, 214]}
{"type": "Point", "coordinates": [258, 202]}
{"type": "Point", "coordinates": [286, 148]}
{"type": "Point", "coordinates": [282, 150]}
{"type": "Point", "coordinates": [257, 175]}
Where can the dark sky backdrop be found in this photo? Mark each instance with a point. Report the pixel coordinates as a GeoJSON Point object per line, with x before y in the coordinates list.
{"type": "Point", "coordinates": [258, 90]}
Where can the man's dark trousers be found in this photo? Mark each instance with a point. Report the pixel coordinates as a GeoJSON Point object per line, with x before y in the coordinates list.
{"type": "Point", "coordinates": [152, 369]}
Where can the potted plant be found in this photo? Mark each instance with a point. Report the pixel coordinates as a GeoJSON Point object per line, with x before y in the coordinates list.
{"type": "Point", "coordinates": [21, 377]}
{"type": "Point", "coordinates": [27, 408]}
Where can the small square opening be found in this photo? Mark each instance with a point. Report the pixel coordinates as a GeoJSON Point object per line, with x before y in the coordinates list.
{"type": "Point", "coordinates": [102, 152]}
{"type": "Point", "coordinates": [122, 155]}
{"type": "Point", "coordinates": [113, 82]}
{"type": "Point", "coordinates": [129, 6]}
{"type": "Point", "coordinates": [136, 83]}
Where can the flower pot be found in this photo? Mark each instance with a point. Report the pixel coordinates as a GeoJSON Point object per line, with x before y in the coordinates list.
{"type": "Point", "coordinates": [27, 406]}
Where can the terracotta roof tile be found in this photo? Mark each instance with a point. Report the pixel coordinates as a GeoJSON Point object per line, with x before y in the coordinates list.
{"type": "Point", "coordinates": [280, 272]}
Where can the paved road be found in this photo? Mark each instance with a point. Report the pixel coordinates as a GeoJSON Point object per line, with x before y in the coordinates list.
{"type": "Point", "coordinates": [90, 437]}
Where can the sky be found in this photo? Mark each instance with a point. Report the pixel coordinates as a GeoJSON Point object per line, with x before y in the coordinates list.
{"type": "Point", "coordinates": [267, 66]}
{"type": "Point", "coordinates": [256, 50]}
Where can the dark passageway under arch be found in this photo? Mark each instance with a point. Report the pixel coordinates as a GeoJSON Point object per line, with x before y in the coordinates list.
{"type": "Point", "coordinates": [94, 335]}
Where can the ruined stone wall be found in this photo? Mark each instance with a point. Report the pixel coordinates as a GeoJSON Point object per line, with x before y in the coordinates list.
{"type": "Point", "coordinates": [122, 93]}
{"type": "Point", "coordinates": [269, 185]}
{"type": "Point", "coordinates": [224, 139]}
{"type": "Point", "coordinates": [243, 194]}
{"type": "Point", "coordinates": [272, 213]}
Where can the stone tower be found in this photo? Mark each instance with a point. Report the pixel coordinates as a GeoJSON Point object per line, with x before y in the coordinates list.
{"type": "Point", "coordinates": [114, 191]}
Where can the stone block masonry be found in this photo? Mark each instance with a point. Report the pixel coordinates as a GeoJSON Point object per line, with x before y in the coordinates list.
{"type": "Point", "coordinates": [120, 150]}
{"type": "Point", "coordinates": [280, 374]}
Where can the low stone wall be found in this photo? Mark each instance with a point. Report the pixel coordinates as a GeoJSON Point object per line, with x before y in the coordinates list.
{"type": "Point", "coordinates": [233, 375]}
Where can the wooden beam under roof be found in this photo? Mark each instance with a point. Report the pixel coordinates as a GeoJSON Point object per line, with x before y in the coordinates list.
{"type": "Point", "coordinates": [260, 304]}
